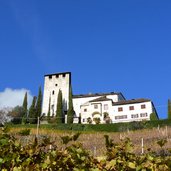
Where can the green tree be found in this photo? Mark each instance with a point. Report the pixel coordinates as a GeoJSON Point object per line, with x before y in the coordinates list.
{"type": "Point", "coordinates": [70, 112]}
{"type": "Point", "coordinates": [32, 111]}
{"type": "Point", "coordinates": [24, 117]}
{"type": "Point", "coordinates": [169, 109]}
{"type": "Point", "coordinates": [59, 109]}
{"type": "Point", "coordinates": [153, 116]}
{"type": "Point", "coordinates": [39, 103]}
{"type": "Point", "coordinates": [48, 114]}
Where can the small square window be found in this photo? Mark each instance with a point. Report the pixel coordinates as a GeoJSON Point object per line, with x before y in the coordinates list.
{"type": "Point", "coordinates": [50, 76]}
{"type": "Point", "coordinates": [95, 106]}
{"type": "Point", "coordinates": [143, 106]}
{"type": "Point", "coordinates": [85, 110]}
{"type": "Point", "coordinates": [63, 75]}
{"type": "Point", "coordinates": [131, 107]}
{"type": "Point", "coordinates": [57, 76]}
{"type": "Point", "coordinates": [53, 92]}
{"type": "Point", "coordinates": [56, 85]}
{"type": "Point", "coordinates": [120, 109]}
{"type": "Point", "coordinates": [106, 107]}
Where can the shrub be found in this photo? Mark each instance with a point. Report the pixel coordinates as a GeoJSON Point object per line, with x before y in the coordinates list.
{"type": "Point", "coordinates": [24, 132]}
{"type": "Point", "coordinates": [96, 120]}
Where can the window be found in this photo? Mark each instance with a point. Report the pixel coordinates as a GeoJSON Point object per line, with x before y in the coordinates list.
{"type": "Point", "coordinates": [50, 76]}
{"type": "Point", "coordinates": [143, 115]}
{"type": "Point", "coordinates": [63, 75]}
{"type": "Point", "coordinates": [85, 110]}
{"type": "Point", "coordinates": [57, 76]}
{"type": "Point", "coordinates": [143, 106]}
{"type": "Point", "coordinates": [95, 106]}
{"type": "Point", "coordinates": [134, 116]}
{"type": "Point", "coordinates": [84, 120]}
{"type": "Point", "coordinates": [120, 109]}
{"type": "Point", "coordinates": [53, 92]}
{"type": "Point", "coordinates": [121, 117]}
{"type": "Point", "coordinates": [131, 107]}
{"type": "Point", "coordinates": [106, 107]}
{"type": "Point", "coordinates": [52, 108]}
{"type": "Point", "coordinates": [56, 85]}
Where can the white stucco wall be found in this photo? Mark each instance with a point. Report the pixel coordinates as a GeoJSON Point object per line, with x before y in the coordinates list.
{"type": "Point", "coordinates": [113, 111]}
{"type": "Point", "coordinates": [91, 109]}
{"type": "Point", "coordinates": [128, 112]}
{"type": "Point", "coordinates": [51, 88]}
{"type": "Point", "coordinates": [77, 102]}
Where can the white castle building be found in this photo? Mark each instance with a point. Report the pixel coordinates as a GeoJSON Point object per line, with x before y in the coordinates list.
{"type": "Point", "coordinates": [107, 107]}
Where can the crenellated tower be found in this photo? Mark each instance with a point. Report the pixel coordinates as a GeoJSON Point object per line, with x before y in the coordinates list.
{"type": "Point", "coordinates": [52, 84]}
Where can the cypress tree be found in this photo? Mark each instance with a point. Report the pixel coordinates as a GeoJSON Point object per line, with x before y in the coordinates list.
{"type": "Point", "coordinates": [39, 103]}
{"type": "Point", "coordinates": [153, 116]}
{"type": "Point", "coordinates": [70, 112]}
{"type": "Point", "coordinates": [32, 111]}
{"type": "Point", "coordinates": [169, 109]}
{"type": "Point", "coordinates": [48, 114]}
{"type": "Point", "coordinates": [59, 111]}
{"type": "Point", "coordinates": [24, 116]}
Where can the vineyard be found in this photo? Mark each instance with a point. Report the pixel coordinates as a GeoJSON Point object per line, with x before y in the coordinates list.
{"type": "Point", "coordinates": [21, 149]}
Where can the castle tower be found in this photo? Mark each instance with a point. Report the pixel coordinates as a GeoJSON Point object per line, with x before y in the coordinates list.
{"type": "Point", "coordinates": [52, 84]}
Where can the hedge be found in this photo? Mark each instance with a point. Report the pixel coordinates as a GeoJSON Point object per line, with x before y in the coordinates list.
{"type": "Point", "coordinates": [114, 127]}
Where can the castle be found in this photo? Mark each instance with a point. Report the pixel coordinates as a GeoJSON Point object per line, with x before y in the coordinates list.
{"type": "Point", "coordinates": [105, 107]}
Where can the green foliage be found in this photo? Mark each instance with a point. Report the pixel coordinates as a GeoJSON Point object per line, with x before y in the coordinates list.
{"type": "Point", "coordinates": [17, 114]}
{"type": "Point", "coordinates": [161, 142]}
{"type": "Point", "coordinates": [32, 112]}
{"type": "Point", "coordinates": [169, 109]}
{"type": "Point", "coordinates": [59, 111]}
{"type": "Point", "coordinates": [24, 132]}
{"type": "Point", "coordinates": [70, 112]}
{"type": "Point", "coordinates": [67, 139]}
{"type": "Point", "coordinates": [89, 120]}
{"type": "Point", "coordinates": [44, 155]}
{"type": "Point", "coordinates": [153, 116]}
{"type": "Point", "coordinates": [96, 120]}
{"type": "Point", "coordinates": [39, 103]}
{"type": "Point", "coordinates": [113, 127]}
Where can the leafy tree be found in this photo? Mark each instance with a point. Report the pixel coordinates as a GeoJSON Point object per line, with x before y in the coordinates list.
{"type": "Point", "coordinates": [153, 116]}
{"type": "Point", "coordinates": [32, 111]}
{"type": "Point", "coordinates": [17, 113]}
{"type": "Point", "coordinates": [70, 112]}
{"type": "Point", "coordinates": [89, 120]}
{"type": "Point", "coordinates": [59, 109]}
{"type": "Point", "coordinates": [48, 114]}
{"type": "Point", "coordinates": [96, 120]}
{"type": "Point", "coordinates": [25, 109]}
{"type": "Point", "coordinates": [39, 103]}
{"type": "Point", "coordinates": [169, 109]}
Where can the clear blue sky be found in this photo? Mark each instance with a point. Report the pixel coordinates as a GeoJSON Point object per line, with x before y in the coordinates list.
{"type": "Point", "coordinates": [122, 46]}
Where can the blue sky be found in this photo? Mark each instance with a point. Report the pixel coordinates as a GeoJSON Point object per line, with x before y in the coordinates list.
{"type": "Point", "coordinates": [122, 46]}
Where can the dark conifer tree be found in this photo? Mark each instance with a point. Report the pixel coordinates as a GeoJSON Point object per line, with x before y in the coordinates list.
{"type": "Point", "coordinates": [39, 104]}
{"type": "Point", "coordinates": [24, 115]}
{"type": "Point", "coordinates": [153, 116]}
{"type": "Point", "coordinates": [32, 111]}
{"type": "Point", "coordinates": [169, 109]}
{"type": "Point", "coordinates": [59, 110]}
{"type": "Point", "coordinates": [70, 112]}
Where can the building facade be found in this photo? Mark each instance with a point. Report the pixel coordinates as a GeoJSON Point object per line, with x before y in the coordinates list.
{"type": "Point", "coordinates": [105, 107]}
{"type": "Point", "coordinates": [52, 84]}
